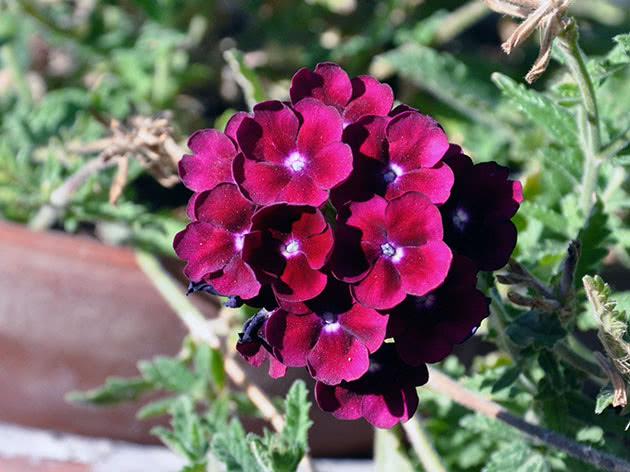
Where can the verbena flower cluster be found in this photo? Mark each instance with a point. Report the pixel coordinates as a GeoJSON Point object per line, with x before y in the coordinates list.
{"type": "Point", "coordinates": [349, 223]}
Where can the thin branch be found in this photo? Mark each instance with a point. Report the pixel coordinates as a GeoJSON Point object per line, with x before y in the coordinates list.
{"type": "Point", "coordinates": [422, 446]}
{"type": "Point", "coordinates": [447, 386]}
{"type": "Point", "coordinates": [459, 20]}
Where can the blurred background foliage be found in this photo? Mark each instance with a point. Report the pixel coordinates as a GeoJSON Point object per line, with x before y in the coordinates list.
{"type": "Point", "coordinates": [73, 74]}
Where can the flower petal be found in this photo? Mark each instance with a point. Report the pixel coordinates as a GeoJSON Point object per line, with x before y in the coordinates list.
{"type": "Point", "coordinates": [298, 281]}
{"type": "Point", "coordinates": [382, 288]}
{"type": "Point", "coordinates": [260, 182]}
{"type": "Point", "coordinates": [331, 166]}
{"type": "Point", "coordinates": [301, 190]}
{"type": "Point", "coordinates": [415, 140]}
{"type": "Point", "coordinates": [269, 136]}
{"type": "Point", "coordinates": [224, 206]}
{"type": "Point", "coordinates": [369, 218]}
{"type": "Point", "coordinates": [337, 356]}
{"type": "Point", "coordinates": [211, 162]}
{"type": "Point", "coordinates": [386, 409]}
{"type": "Point", "coordinates": [237, 279]}
{"type": "Point", "coordinates": [317, 248]}
{"type": "Point", "coordinates": [321, 126]}
{"type": "Point", "coordinates": [341, 402]}
{"type": "Point", "coordinates": [424, 268]}
{"type": "Point", "coordinates": [412, 220]}
{"type": "Point", "coordinates": [292, 336]}
{"type": "Point", "coordinates": [435, 182]}
{"type": "Point", "coordinates": [369, 97]}
{"type": "Point", "coordinates": [234, 122]}
{"type": "Point", "coordinates": [329, 83]}
{"type": "Point", "coordinates": [366, 325]}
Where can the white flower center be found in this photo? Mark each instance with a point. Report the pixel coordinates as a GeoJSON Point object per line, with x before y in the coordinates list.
{"type": "Point", "coordinates": [239, 240]}
{"type": "Point", "coordinates": [388, 250]}
{"type": "Point", "coordinates": [295, 162]}
{"type": "Point", "coordinates": [291, 248]}
{"type": "Point", "coordinates": [460, 218]}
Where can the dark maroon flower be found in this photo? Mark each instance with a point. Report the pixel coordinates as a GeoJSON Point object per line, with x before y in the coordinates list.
{"type": "Point", "coordinates": [389, 249]}
{"type": "Point", "coordinates": [426, 328]}
{"type": "Point", "coordinates": [287, 247]}
{"type": "Point", "coordinates": [477, 214]}
{"type": "Point", "coordinates": [291, 156]}
{"type": "Point", "coordinates": [385, 395]}
{"type": "Point", "coordinates": [212, 244]}
{"type": "Point", "coordinates": [333, 342]}
{"type": "Point", "coordinates": [253, 347]}
{"type": "Point", "coordinates": [396, 155]}
{"type": "Point", "coordinates": [329, 83]}
{"type": "Point", "coordinates": [213, 153]}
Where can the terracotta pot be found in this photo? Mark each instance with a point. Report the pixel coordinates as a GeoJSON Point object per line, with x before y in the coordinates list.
{"type": "Point", "coordinates": [74, 311]}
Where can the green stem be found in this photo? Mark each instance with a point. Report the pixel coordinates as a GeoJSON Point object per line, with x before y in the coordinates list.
{"type": "Point", "coordinates": [459, 20]}
{"type": "Point", "coordinates": [422, 446]}
{"type": "Point", "coordinates": [591, 141]}
{"type": "Point", "coordinates": [19, 78]}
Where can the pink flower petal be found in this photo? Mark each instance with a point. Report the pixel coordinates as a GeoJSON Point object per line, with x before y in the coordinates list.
{"type": "Point", "coordinates": [332, 165]}
{"type": "Point", "coordinates": [387, 409]}
{"type": "Point", "coordinates": [341, 402]}
{"type": "Point", "coordinates": [236, 278]}
{"type": "Point", "coordinates": [321, 126]}
{"type": "Point", "coordinates": [269, 136]}
{"type": "Point", "coordinates": [190, 206]}
{"type": "Point", "coordinates": [224, 206]}
{"type": "Point", "coordinates": [298, 281]}
{"type": "Point", "coordinates": [233, 123]}
{"type": "Point", "coordinates": [412, 220]}
{"type": "Point", "coordinates": [424, 268]}
{"type": "Point", "coordinates": [435, 182]}
{"type": "Point", "coordinates": [382, 288]}
{"type": "Point", "coordinates": [305, 221]}
{"type": "Point", "coordinates": [329, 83]}
{"type": "Point", "coordinates": [367, 137]}
{"type": "Point", "coordinates": [206, 248]}
{"type": "Point", "coordinates": [317, 248]}
{"type": "Point", "coordinates": [301, 190]}
{"type": "Point", "coordinates": [366, 325]}
{"type": "Point", "coordinates": [292, 336]}
{"type": "Point", "coordinates": [261, 182]}
{"type": "Point", "coordinates": [337, 356]}
{"type": "Point", "coordinates": [369, 218]}
{"type": "Point", "coordinates": [211, 162]}
{"type": "Point", "coordinates": [369, 97]}
{"type": "Point", "coordinates": [415, 140]}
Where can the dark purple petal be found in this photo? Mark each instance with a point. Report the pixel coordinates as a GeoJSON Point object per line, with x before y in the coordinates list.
{"type": "Point", "coordinates": [269, 136]}
{"type": "Point", "coordinates": [190, 206]}
{"type": "Point", "coordinates": [366, 325]}
{"type": "Point", "coordinates": [301, 190]}
{"type": "Point", "coordinates": [321, 126]}
{"type": "Point", "coordinates": [225, 207]}
{"type": "Point", "coordinates": [349, 261]}
{"type": "Point", "coordinates": [329, 83]}
{"type": "Point", "coordinates": [298, 281]}
{"type": "Point", "coordinates": [261, 182]}
{"type": "Point", "coordinates": [424, 268]}
{"type": "Point", "coordinates": [237, 278]}
{"type": "Point", "coordinates": [435, 182]}
{"type": "Point", "coordinates": [317, 248]}
{"type": "Point", "coordinates": [369, 97]}
{"type": "Point", "coordinates": [292, 336]}
{"type": "Point", "coordinates": [385, 410]}
{"type": "Point", "coordinates": [415, 140]}
{"type": "Point", "coordinates": [211, 162]}
{"type": "Point", "coordinates": [382, 288]}
{"type": "Point", "coordinates": [369, 218]}
{"type": "Point", "coordinates": [412, 220]}
{"type": "Point", "coordinates": [367, 137]}
{"type": "Point", "coordinates": [331, 166]}
{"type": "Point", "coordinates": [342, 403]}
{"type": "Point", "coordinates": [337, 356]}
{"type": "Point", "coordinates": [234, 122]}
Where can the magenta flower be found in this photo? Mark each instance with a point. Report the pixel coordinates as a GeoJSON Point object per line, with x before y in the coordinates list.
{"type": "Point", "coordinates": [386, 250]}
{"type": "Point", "coordinates": [291, 156]}
{"type": "Point", "coordinates": [333, 341]}
{"type": "Point", "coordinates": [396, 155]}
{"type": "Point", "coordinates": [385, 395]}
{"type": "Point", "coordinates": [253, 347]}
{"type": "Point", "coordinates": [213, 153]}
{"type": "Point", "coordinates": [287, 246]}
{"type": "Point", "coordinates": [329, 83]}
{"type": "Point", "coordinates": [212, 244]}
{"type": "Point", "coordinates": [477, 214]}
{"type": "Point", "coordinates": [425, 329]}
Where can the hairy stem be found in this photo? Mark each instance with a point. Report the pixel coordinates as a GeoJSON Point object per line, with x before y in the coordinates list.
{"type": "Point", "coordinates": [445, 385]}
{"type": "Point", "coordinates": [422, 446]}
{"type": "Point", "coordinates": [589, 126]}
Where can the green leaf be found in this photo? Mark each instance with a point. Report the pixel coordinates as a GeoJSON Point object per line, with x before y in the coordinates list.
{"type": "Point", "coordinates": [621, 52]}
{"type": "Point", "coordinates": [540, 330]}
{"type": "Point", "coordinates": [489, 427]}
{"type": "Point", "coordinates": [245, 77]}
{"type": "Point", "coordinates": [540, 110]}
{"type": "Point", "coordinates": [188, 429]}
{"type": "Point", "coordinates": [593, 238]}
{"type": "Point", "coordinates": [231, 447]}
{"type": "Point", "coordinates": [591, 434]}
{"type": "Point", "coordinates": [549, 365]}
{"type": "Point", "coordinates": [507, 379]}
{"type": "Point", "coordinates": [155, 408]}
{"type": "Point", "coordinates": [297, 421]}
{"type": "Point", "coordinates": [517, 457]}
{"type": "Point", "coordinates": [115, 390]}
{"type": "Point", "coordinates": [604, 399]}
{"type": "Point", "coordinates": [550, 218]}
{"type": "Point", "coordinates": [209, 365]}
{"type": "Point", "coordinates": [167, 373]}
{"type": "Point", "coordinates": [388, 455]}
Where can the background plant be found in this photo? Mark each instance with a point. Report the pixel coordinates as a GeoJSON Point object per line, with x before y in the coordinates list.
{"type": "Point", "coordinates": [70, 68]}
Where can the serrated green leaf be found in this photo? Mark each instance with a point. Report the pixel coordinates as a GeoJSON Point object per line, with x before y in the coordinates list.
{"type": "Point", "coordinates": [558, 122]}
{"type": "Point", "coordinates": [297, 423]}
{"type": "Point", "coordinates": [167, 373]}
{"type": "Point", "coordinates": [231, 447]}
{"type": "Point", "coordinates": [517, 457]}
{"type": "Point", "coordinates": [115, 390]}
{"type": "Point", "coordinates": [209, 365]}
{"type": "Point", "coordinates": [549, 365]}
{"type": "Point", "coordinates": [155, 408]}
{"type": "Point", "coordinates": [188, 429]}
{"type": "Point", "coordinates": [593, 238]}
{"type": "Point", "coordinates": [550, 218]}
{"type": "Point", "coordinates": [604, 399]}
{"type": "Point", "coordinates": [540, 330]}
{"type": "Point", "coordinates": [489, 427]}
{"type": "Point", "coordinates": [245, 77]}
{"type": "Point", "coordinates": [507, 379]}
